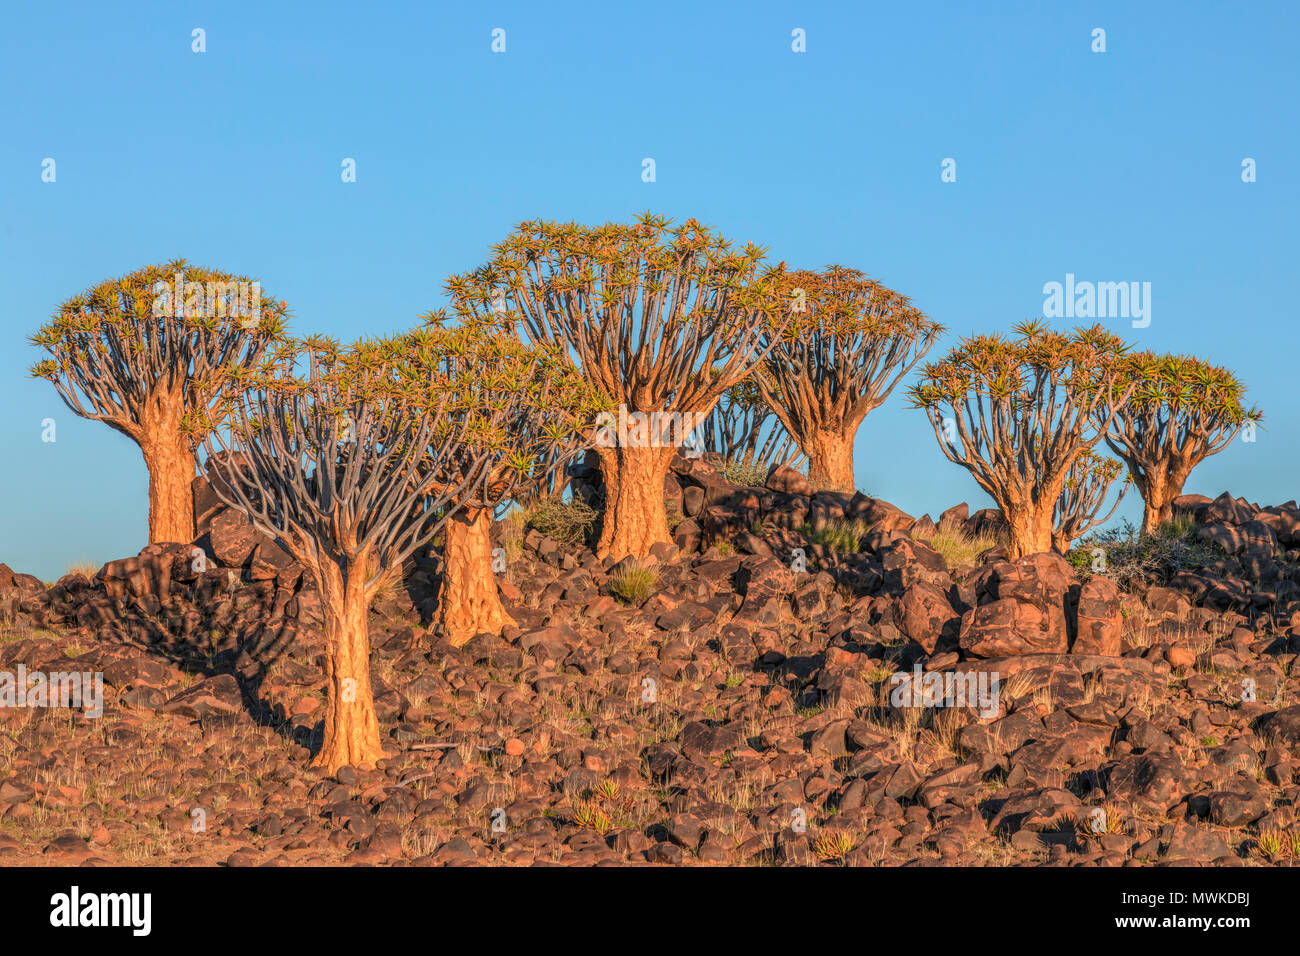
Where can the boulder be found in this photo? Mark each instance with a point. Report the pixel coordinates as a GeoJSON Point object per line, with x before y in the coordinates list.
{"type": "Point", "coordinates": [1007, 627]}
{"type": "Point", "coordinates": [1228, 510]}
{"type": "Point", "coordinates": [986, 521]}
{"type": "Point", "coordinates": [1190, 506]}
{"type": "Point", "coordinates": [234, 542]}
{"type": "Point", "coordinates": [1100, 623]}
{"type": "Point", "coordinates": [1043, 580]}
{"type": "Point", "coordinates": [1248, 537]}
{"type": "Point", "coordinates": [882, 516]}
{"type": "Point", "coordinates": [217, 698]}
{"type": "Point", "coordinates": [785, 479]}
{"type": "Point", "coordinates": [1023, 608]}
{"type": "Point", "coordinates": [925, 615]}
{"type": "Point", "coordinates": [956, 515]}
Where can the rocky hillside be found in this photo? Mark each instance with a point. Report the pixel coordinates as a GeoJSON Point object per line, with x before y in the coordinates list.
{"type": "Point", "coordinates": [756, 693]}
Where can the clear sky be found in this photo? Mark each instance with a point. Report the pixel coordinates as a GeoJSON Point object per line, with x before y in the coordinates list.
{"type": "Point", "coordinates": [1117, 166]}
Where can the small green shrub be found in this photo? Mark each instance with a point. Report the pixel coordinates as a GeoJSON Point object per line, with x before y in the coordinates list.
{"type": "Point", "coordinates": [675, 516]}
{"type": "Point", "coordinates": [743, 473]}
{"type": "Point", "coordinates": [1134, 560]}
{"type": "Point", "coordinates": [569, 521]}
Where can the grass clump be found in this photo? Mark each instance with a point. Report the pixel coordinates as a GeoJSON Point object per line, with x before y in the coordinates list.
{"type": "Point", "coordinates": [513, 526]}
{"type": "Point", "coordinates": [604, 808]}
{"type": "Point", "coordinates": [633, 584]}
{"type": "Point", "coordinates": [843, 537]}
{"type": "Point", "coordinates": [831, 845]}
{"type": "Point", "coordinates": [1271, 843]}
{"type": "Point", "coordinates": [958, 548]}
{"type": "Point", "coordinates": [1134, 560]}
{"type": "Point", "coordinates": [1112, 821]}
{"type": "Point", "coordinates": [571, 522]}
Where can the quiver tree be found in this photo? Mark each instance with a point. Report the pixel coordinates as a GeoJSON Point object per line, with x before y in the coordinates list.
{"type": "Point", "coordinates": [140, 352]}
{"type": "Point", "coordinates": [352, 459]}
{"type": "Point", "coordinates": [1182, 411]}
{"type": "Point", "coordinates": [1019, 413]}
{"type": "Point", "coordinates": [743, 429]}
{"type": "Point", "coordinates": [662, 320]}
{"type": "Point", "coordinates": [1087, 488]}
{"type": "Point", "coordinates": [847, 342]}
{"type": "Point", "coordinates": [527, 413]}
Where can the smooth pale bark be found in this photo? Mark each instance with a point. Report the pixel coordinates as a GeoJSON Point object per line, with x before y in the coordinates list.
{"type": "Point", "coordinates": [830, 461]}
{"type": "Point", "coordinates": [468, 602]}
{"type": "Point", "coordinates": [635, 516]}
{"type": "Point", "coordinates": [170, 459]}
{"type": "Point", "coordinates": [351, 727]}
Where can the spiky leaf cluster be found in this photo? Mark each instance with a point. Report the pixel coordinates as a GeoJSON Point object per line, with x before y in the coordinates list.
{"type": "Point", "coordinates": [1019, 369]}
{"type": "Point", "coordinates": [527, 407]}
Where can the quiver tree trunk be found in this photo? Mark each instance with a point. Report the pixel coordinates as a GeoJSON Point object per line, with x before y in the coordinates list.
{"type": "Point", "coordinates": [468, 602]}
{"type": "Point", "coordinates": [635, 517]}
{"type": "Point", "coordinates": [351, 727]}
{"type": "Point", "coordinates": [1029, 531]}
{"type": "Point", "coordinates": [1159, 487]}
{"type": "Point", "coordinates": [1155, 512]}
{"type": "Point", "coordinates": [830, 461]}
{"type": "Point", "coordinates": [1157, 503]}
{"type": "Point", "coordinates": [169, 457]}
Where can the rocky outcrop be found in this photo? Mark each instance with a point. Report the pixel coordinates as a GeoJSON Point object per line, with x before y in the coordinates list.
{"type": "Point", "coordinates": [759, 678]}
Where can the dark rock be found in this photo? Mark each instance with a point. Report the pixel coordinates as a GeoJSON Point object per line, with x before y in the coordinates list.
{"type": "Point", "coordinates": [1100, 621]}
{"type": "Point", "coordinates": [215, 698]}
{"type": "Point", "coordinates": [925, 615]}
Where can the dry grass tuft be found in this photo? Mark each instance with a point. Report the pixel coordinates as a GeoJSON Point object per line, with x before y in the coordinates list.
{"type": "Point", "coordinates": [842, 537]}
{"type": "Point", "coordinates": [633, 584]}
{"type": "Point", "coordinates": [958, 548]}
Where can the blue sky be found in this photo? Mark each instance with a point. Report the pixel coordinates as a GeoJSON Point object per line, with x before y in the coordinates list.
{"type": "Point", "coordinates": [1115, 166]}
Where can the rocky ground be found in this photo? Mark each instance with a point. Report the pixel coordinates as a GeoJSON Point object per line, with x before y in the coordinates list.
{"type": "Point", "coordinates": [739, 712]}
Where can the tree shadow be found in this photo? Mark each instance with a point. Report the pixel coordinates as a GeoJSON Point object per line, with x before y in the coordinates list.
{"type": "Point", "coordinates": [169, 601]}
